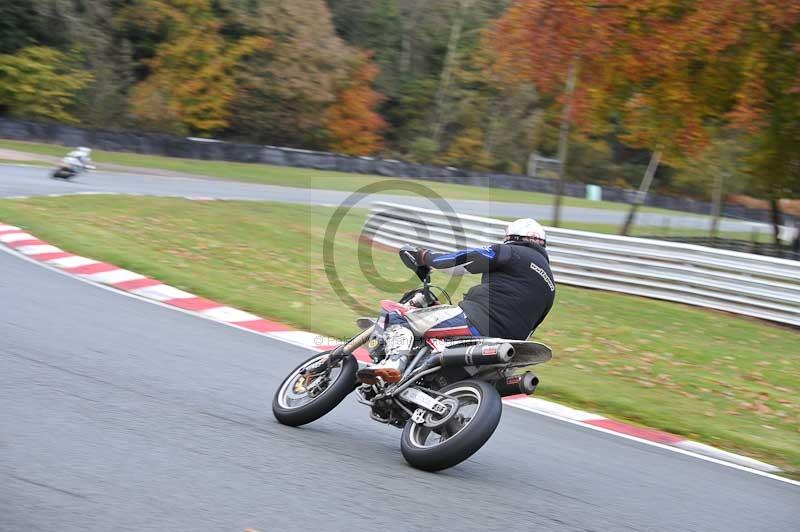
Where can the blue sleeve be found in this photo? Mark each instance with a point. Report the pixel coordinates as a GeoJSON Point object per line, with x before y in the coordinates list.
{"type": "Point", "coordinates": [475, 260]}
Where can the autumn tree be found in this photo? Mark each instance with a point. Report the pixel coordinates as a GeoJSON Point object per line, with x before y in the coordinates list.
{"type": "Point", "coordinates": [718, 62]}
{"type": "Point", "coordinates": [420, 47]}
{"type": "Point", "coordinates": [286, 91]}
{"type": "Point", "coordinates": [490, 124]}
{"type": "Point", "coordinates": [616, 62]}
{"type": "Point", "coordinates": [352, 120]}
{"type": "Point", "coordinates": [108, 54]}
{"type": "Point", "coordinates": [757, 45]}
{"type": "Point", "coordinates": [40, 82]}
{"type": "Point", "coordinates": [563, 47]}
{"type": "Point", "coordinates": [191, 79]}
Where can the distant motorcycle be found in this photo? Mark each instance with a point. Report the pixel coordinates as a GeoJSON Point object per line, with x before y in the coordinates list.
{"type": "Point", "coordinates": [73, 164]}
{"type": "Point", "coordinates": [448, 400]}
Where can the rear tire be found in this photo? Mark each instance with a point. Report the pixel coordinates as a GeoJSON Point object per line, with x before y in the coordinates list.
{"type": "Point", "coordinates": [465, 442]}
{"type": "Point", "coordinates": [337, 389]}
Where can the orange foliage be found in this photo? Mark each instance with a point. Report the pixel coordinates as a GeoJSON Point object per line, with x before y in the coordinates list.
{"type": "Point", "coordinates": [663, 66]}
{"type": "Point", "coordinates": [352, 120]}
{"type": "Point", "coordinates": [745, 33]}
{"type": "Point", "coordinates": [638, 60]}
{"type": "Point", "coordinates": [191, 78]}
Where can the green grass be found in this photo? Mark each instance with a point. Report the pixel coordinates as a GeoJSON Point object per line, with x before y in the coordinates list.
{"type": "Point", "coordinates": [309, 178]}
{"type": "Point", "coordinates": [717, 378]}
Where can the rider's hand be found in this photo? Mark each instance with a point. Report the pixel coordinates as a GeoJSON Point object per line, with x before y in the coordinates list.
{"type": "Point", "coordinates": [412, 257]}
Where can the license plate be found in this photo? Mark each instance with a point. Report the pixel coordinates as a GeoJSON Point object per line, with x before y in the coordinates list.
{"type": "Point", "coordinates": [422, 399]}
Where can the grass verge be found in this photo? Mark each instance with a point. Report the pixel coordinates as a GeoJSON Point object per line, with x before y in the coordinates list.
{"type": "Point", "coordinates": [724, 380]}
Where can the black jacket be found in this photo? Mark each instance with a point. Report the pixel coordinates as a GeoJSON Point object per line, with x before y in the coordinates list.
{"type": "Point", "coordinates": [516, 290]}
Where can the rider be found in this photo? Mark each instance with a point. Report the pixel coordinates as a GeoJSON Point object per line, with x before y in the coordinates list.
{"type": "Point", "coordinates": [79, 157]}
{"type": "Point", "coordinates": [515, 295]}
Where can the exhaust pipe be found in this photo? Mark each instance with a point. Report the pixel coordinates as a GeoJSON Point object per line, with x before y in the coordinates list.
{"type": "Point", "coordinates": [517, 384]}
{"type": "Point", "coordinates": [475, 355]}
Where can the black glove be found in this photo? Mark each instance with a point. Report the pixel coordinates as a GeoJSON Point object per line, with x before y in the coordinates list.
{"type": "Point", "coordinates": [412, 257]}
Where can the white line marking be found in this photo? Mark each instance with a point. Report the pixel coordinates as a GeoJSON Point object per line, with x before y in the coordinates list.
{"type": "Point", "coordinates": [74, 261]}
{"type": "Point", "coordinates": [113, 276]}
{"type": "Point", "coordinates": [228, 314]}
{"type": "Point", "coordinates": [38, 249]}
{"type": "Point", "coordinates": [713, 452]}
{"type": "Point", "coordinates": [162, 292]}
{"type": "Point", "coordinates": [303, 338]}
{"type": "Point", "coordinates": [520, 406]}
{"type": "Point", "coordinates": [540, 405]}
{"type": "Point", "coordinates": [16, 237]}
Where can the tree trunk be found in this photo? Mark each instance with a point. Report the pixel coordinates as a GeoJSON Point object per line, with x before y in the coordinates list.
{"type": "Point", "coordinates": [716, 206]}
{"type": "Point", "coordinates": [407, 38]}
{"type": "Point", "coordinates": [491, 126]}
{"type": "Point", "coordinates": [563, 140]}
{"type": "Point", "coordinates": [775, 211]}
{"type": "Point", "coordinates": [450, 60]}
{"type": "Point", "coordinates": [647, 180]}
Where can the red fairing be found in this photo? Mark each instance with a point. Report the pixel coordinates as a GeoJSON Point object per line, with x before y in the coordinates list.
{"type": "Point", "coordinates": [450, 331]}
{"type": "Point", "coordinates": [435, 344]}
{"type": "Point", "coordinates": [393, 306]}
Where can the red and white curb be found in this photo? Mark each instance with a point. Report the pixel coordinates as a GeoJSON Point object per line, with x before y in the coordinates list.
{"type": "Point", "coordinates": [109, 275]}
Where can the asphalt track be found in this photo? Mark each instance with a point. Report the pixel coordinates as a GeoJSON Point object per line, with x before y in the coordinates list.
{"type": "Point", "coordinates": [118, 414]}
{"type": "Point", "coordinates": [28, 181]}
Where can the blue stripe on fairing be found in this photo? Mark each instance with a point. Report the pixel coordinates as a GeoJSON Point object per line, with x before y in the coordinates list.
{"type": "Point", "coordinates": [457, 321]}
{"type": "Point", "coordinates": [486, 252]}
{"type": "Point", "coordinates": [395, 318]}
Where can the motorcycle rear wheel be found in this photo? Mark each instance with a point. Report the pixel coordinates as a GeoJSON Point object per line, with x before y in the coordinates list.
{"type": "Point", "coordinates": [477, 418]}
{"type": "Point", "coordinates": [301, 399]}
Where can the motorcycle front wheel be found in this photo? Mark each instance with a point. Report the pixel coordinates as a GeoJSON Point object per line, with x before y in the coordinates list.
{"type": "Point", "coordinates": [434, 449]}
{"type": "Point", "coordinates": [305, 396]}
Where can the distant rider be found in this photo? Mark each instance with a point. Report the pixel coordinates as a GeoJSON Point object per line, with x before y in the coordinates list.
{"type": "Point", "coordinates": [515, 295]}
{"type": "Point", "coordinates": [79, 159]}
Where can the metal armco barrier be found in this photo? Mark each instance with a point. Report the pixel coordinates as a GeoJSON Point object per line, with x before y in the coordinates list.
{"type": "Point", "coordinates": [740, 283]}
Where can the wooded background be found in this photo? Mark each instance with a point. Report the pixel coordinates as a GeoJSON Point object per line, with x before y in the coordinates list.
{"type": "Point", "coordinates": [695, 90]}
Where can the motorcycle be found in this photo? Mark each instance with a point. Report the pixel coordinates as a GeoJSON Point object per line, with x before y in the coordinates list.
{"type": "Point", "coordinates": [448, 400]}
{"type": "Point", "coordinates": [68, 170]}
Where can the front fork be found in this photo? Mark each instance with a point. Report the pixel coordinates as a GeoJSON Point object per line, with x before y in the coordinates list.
{"type": "Point", "coordinates": [354, 343]}
{"type": "Point", "coordinates": [343, 350]}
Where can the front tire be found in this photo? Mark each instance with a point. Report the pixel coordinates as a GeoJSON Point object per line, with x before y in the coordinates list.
{"type": "Point", "coordinates": [295, 404]}
{"type": "Point", "coordinates": [429, 450]}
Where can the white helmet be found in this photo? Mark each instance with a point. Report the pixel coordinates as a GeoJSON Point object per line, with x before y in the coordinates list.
{"type": "Point", "coordinates": [526, 228]}
{"type": "Point", "coordinates": [84, 150]}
